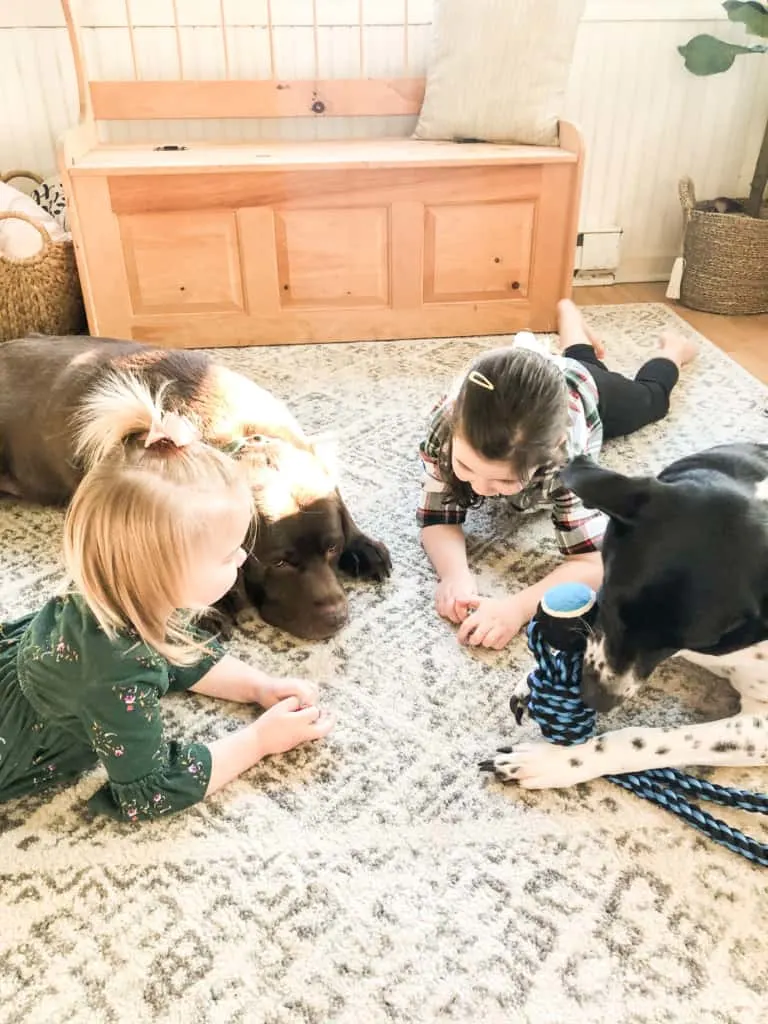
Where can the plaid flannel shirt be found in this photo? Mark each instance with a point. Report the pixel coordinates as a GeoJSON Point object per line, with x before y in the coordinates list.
{"type": "Point", "coordinates": [577, 529]}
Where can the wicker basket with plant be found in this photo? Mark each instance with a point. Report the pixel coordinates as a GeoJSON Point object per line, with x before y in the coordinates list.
{"type": "Point", "coordinates": [725, 248]}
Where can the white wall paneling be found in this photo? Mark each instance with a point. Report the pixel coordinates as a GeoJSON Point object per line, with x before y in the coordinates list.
{"type": "Point", "coordinates": [645, 119]}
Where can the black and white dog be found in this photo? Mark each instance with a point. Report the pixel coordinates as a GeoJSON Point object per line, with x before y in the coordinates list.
{"type": "Point", "coordinates": [686, 572]}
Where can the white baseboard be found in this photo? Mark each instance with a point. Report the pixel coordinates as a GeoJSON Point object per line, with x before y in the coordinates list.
{"type": "Point", "coordinates": [652, 268]}
{"type": "Point", "coordinates": [593, 278]}
{"type": "Point", "coordinates": [620, 277]}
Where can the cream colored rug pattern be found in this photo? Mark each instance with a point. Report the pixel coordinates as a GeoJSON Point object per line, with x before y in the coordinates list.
{"type": "Point", "coordinates": [379, 877]}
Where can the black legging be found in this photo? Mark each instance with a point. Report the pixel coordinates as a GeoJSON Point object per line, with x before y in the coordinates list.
{"type": "Point", "coordinates": [627, 405]}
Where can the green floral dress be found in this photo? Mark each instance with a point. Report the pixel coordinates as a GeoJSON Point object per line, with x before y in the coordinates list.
{"type": "Point", "coordinates": [71, 697]}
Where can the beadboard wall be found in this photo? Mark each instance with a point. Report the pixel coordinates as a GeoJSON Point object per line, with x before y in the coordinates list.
{"type": "Point", "coordinates": [645, 119]}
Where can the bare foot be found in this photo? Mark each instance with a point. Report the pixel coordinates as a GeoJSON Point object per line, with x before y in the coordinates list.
{"type": "Point", "coordinates": [572, 330]}
{"type": "Point", "coordinates": [678, 348]}
{"type": "Point", "coordinates": [594, 341]}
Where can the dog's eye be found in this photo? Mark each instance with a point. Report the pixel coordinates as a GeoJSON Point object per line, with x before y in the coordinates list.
{"type": "Point", "coordinates": [283, 563]}
{"type": "Point", "coordinates": [287, 561]}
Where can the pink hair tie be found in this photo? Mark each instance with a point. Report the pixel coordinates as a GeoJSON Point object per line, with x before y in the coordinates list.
{"type": "Point", "coordinates": [174, 428]}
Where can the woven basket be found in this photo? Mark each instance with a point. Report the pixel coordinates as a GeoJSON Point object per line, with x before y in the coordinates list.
{"type": "Point", "coordinates": [39, 294]}
{"type": "Point", "coordinates": [726, 258]}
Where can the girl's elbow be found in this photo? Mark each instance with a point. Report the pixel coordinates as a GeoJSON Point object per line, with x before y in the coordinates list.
{"type": "Point", "coordinates": [591, 565]}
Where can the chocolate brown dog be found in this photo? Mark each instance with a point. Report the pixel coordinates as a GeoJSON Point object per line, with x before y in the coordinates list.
{"type": "Point", "coordinates": [303, 532]}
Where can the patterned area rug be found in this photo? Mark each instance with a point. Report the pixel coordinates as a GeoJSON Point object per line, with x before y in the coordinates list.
{"type": "Point", "coordinates": [379, 877]}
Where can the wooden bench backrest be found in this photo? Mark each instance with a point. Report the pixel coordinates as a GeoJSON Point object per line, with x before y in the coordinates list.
{"type": "Point", "coordinates": [143, 100]}
{"type": "Point", "coordinates": [147, 101]}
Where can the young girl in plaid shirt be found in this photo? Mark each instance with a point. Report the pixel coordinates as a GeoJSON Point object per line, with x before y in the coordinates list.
{"type": "Point", "coordinates": [509, 424]}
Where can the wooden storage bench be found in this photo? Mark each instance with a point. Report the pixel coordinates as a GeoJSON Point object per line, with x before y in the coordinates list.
{"type": "Point", "coordinates": [280, 242]}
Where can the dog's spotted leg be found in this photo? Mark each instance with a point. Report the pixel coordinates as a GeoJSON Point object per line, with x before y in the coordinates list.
{"type": "Point", "coordinates": [740, 741]}
{"type": "Point", "coordinates": [746, 670]}
{"type": "Point", "coordinates": [752, 706]}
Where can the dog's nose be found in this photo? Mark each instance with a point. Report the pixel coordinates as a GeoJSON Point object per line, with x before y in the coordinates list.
{"type": "Point", "coordinates": [323, 619]}
{"type": "Point", "coordinates": [594, 694]}
{"type": "Point", "coordinates": [332, 610]}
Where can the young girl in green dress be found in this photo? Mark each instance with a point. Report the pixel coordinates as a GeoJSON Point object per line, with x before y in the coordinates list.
{"type": "Point", "coordinates": [155, 527]}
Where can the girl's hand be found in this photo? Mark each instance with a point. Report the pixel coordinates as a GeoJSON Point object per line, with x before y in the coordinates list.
{"type": "Point", "coordinates": [492, 622]}
{"type": "Point", "coordinates": [454, 597]}
{"type": "Point", "coordinates": [275, 688]}
{"type": "Point", "coordinates": [286, 725]}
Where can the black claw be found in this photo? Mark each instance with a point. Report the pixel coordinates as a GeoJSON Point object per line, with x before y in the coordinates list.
{"type": "Point", "coordinates": [350, 563]}
{"type": "Point", "coordinates": [366, 560]}
{"type": "Point", "coordinates": [519, 706]}
{"type": "Point", "coordinates": [486, 766]}
{"type": "Point", "coordinates": [505, 750]}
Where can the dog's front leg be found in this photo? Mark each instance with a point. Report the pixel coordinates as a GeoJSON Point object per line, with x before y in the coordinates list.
{"type": "Point", "coordinates": [362, 556]}
{"type": "Point", "coordinates": [223, 617]}
{"type": "Point", "coordinates": [740, 741]}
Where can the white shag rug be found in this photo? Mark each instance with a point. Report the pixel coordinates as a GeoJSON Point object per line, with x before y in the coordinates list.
{"type": "Point", "coordinates": [379, 877]}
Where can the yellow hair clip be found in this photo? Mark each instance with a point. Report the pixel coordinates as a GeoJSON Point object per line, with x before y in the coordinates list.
{"type": "Point", "coordinates": [481, 380]}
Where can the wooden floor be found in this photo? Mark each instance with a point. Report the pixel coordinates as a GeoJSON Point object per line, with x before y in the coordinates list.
{"type": "Point", "coordinates": [744, 338]}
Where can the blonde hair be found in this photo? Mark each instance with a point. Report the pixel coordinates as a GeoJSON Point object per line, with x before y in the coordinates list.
{"type": "Point", "coordinates": [140, 513]}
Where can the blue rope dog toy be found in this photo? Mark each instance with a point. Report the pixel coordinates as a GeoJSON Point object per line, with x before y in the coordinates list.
{"type": "Point", "coordinates": [557, 639]}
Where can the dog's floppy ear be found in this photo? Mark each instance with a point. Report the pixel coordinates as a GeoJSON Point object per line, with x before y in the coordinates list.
{"type": "Point", "coordinates": [326, 449]}
{"type": "Point", "coordinates": [251, 579]}
{"type": "Point", "coordinates": [620, 497]}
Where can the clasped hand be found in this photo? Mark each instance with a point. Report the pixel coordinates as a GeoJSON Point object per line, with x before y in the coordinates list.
{"type": "Point", "coordinates": [492, 621]}
{"type": "Point", "coordinates": [483, 621]}
{"type": "Point", "coordinates": [277, 688]}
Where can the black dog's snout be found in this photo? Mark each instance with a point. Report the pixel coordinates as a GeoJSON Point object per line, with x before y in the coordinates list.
{"type": "Point", "coordinates": [594, 694]}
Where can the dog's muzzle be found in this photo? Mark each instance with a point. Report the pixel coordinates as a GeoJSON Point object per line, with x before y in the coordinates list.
{"type": "Point", "coordinates": [594, 694]}
{"type": "Point", "coordinates": [602, 688]}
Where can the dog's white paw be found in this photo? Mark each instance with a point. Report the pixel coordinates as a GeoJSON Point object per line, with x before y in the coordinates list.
{"type": "Point", "coordinates": [539, 766]}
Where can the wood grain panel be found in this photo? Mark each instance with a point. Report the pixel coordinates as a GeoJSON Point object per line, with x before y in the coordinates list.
{"type": "Point", "coordinates": [338, 188]}
{"type": "Point", "coordinates": [407, 254]}
{"type": "Point", "coordinates": [258, 260]}
{"type": "Point", "coordinates": [294, 326]}
{"type": "Point", "coordinates": [164, 100]}
{"type": "Point", "coordinates": [99, 251]}
{"type": "Point", "coordinates": [478, 251]}
{"type": "Point", "coordinates": [334, 257]}
{"type": "Point", "coordinates": [176, 262]}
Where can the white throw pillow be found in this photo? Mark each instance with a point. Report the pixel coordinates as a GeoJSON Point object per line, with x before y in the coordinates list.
{"type": "Point", "coordinates": [499, 70]}
{"type": "Point", "coordinates": [18, 238]}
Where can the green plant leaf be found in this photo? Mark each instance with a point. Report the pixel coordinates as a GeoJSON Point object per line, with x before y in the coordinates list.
{"type": "Point", "coordinates": [705, 55]}
{"type": "Point", "coordinates": [753, 15]}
